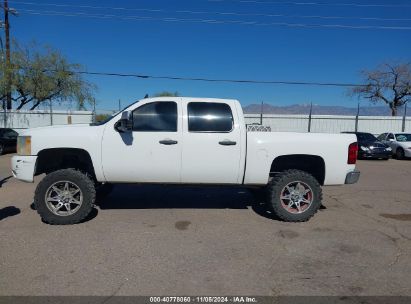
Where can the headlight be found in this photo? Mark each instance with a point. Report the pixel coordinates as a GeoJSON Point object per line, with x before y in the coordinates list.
{"type": "Point", "coordinates": [364, 148]}
{"type": "Point", "coordinates": [388, 149]}
{"type": "Point", "coordinates": [24, 145]}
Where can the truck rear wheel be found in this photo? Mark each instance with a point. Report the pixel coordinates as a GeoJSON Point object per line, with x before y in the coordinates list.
{"type": "Point", "coordinates": [64, 197]}
{"type": "Point", "coordinates": [294, 196]}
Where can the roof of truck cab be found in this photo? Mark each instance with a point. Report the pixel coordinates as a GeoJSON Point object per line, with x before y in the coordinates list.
{"type": "Point", "coordinates": [192, 99]}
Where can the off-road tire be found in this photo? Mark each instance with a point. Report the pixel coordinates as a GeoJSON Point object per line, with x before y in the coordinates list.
{"type": "Point", "coordinates": [400, 153]}
{"type": "Point", "coordinates": [279, 181]}
{"type": "Point", "coordinates": [83, 181]}
{"type": "Point", "coordinates": [1, 149]}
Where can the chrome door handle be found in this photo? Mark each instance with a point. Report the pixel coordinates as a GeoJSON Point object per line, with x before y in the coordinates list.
{"type": "Point", "coordinates": [227, 143]}
{"type": "Point", "coordinates": [168, 142]}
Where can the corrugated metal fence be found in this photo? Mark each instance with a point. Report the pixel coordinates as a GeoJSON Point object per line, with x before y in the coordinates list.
{"type": "Point", "coordinates": [40, 118]}
{"type": "Point", "coordinates": [331, 123]}
{"type": "Point", "coordinates": [277, 122]}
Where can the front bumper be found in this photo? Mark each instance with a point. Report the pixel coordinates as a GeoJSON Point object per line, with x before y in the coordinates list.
{"type": "Point", "coordinates": [352, 177]}
{"type": "Point", "coordinates": [23, 167]}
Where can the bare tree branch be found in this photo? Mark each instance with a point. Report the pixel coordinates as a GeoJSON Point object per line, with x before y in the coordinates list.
{"type": "Point", "coordinates": [390, 84]}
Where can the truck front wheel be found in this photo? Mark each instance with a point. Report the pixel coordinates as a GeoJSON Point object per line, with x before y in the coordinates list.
{"type": "Point", "coordinates": [294, 196]}
{"type": "Point", "coordinates": [64, 197]}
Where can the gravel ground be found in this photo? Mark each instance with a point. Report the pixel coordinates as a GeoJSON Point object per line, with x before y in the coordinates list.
{"type": "Point", "coordinates": [168, 240]}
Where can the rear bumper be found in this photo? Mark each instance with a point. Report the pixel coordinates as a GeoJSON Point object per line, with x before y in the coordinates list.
{"type": "Point", "coordinates": [23, 167]}
{"type": "Point", "coordinates": [352, 177]}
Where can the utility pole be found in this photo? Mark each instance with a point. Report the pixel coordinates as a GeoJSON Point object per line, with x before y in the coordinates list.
{"type": "Point", "coordinates": [7, 34]}
{"type": "Point", "coordinates": [2, 87]}
{"type": "Point", "coordinates": [119, 105]}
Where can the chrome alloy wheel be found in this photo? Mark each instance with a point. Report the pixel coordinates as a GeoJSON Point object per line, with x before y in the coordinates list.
{"type": "Point", "coordinates": [296, 197]}
{"type": "Point", "coordinates": [64, 198]}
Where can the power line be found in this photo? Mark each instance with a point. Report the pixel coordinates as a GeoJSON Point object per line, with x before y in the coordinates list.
{"type": "Point", "coordinates": [317, 3]}
{"type": "Point", "coordinates": [203, 79]}
{"type": "Point", "coordinates": [226, 13]}
{"type": "Point", "coordinates": [212, 21]}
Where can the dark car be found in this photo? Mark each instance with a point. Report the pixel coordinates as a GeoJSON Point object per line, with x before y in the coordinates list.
{"type": "Point", "coordinates": [370, 147]}
{"type": "Point", "coordinates": [8, 140]}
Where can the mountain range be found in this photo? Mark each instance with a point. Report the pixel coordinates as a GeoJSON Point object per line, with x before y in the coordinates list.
{"type": "Point", "coordinates": [321, 110]}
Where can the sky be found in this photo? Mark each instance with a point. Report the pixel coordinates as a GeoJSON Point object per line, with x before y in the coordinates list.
{"type": "Point", "coordinates": [135, 37]}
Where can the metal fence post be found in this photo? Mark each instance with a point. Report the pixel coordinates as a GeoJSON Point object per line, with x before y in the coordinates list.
{"type": "Point", "coordinates": [4, 114]}
{"type": "Point", "coordinates": [404, 117]}
{"type": "Point", "coordinates": [309, 117]}
{"type": "Point", "coordinates": [261, 114]}
{"type": "Point", "coordinates": [93, 118]}
{"type": "Point", "coordinates": [51, 113]}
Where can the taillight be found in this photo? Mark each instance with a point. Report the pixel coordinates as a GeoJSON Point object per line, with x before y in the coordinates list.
{"type": "Point", "coordinates": [352, 153]}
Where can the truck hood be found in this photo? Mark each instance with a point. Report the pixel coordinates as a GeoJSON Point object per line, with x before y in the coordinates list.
{"type": "Point", "coordinates": [57, 129]}
{"type": "Point", "coordinates": [78, 136]}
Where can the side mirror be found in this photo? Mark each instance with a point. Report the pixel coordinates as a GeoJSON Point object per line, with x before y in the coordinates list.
{"type": "Point", "coordinates": [125, 123]}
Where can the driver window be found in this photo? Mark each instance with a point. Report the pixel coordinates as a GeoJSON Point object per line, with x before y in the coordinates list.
{"type": "Point", "coordinates": [160, 116]}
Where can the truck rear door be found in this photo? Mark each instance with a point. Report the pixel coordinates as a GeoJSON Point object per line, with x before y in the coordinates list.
{"type": "Point", "coordinates": [211, 152]}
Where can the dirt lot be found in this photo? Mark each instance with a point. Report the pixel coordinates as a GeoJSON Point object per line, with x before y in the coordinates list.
{"type": "Point", "coordinates": [155, 240]}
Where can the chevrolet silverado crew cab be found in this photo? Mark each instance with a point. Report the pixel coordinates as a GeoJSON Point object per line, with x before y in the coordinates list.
{"type": "Point", "coordinates": [179, 140]}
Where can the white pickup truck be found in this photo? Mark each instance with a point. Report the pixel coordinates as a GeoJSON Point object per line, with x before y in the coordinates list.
{"type": "Point", "coordinates": [180, 140]}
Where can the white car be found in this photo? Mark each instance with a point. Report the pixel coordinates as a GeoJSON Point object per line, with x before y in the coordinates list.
{"type": "Point", "coordinates": [399, 142]}
{"type": "Point", "coordinates": [179, 140]}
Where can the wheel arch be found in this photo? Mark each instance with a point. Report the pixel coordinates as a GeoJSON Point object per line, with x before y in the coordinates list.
{"type": "Point", "coordinates": [53, 159]}
{"type": "Point", "coordinates": [312, 164]}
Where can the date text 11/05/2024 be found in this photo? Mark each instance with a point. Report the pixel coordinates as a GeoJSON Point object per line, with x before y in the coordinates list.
{"type": "Point", "coordinates": [205, 299]}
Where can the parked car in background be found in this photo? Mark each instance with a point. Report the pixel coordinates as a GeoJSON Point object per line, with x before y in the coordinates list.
{"type": "Point", "coordinates": [399, 142]}
{"type": "Point", "coordinates": [369, 147]}
{"type": "Point", "coordinates": [8, 140]}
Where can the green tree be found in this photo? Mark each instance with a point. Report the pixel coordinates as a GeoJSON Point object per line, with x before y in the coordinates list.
{"type": "Point", "coordinates": [44, 75]}
{"type": "Point", "coordinates": [390, 84]}
{"type": "Point", "coordinates": [102, 117]}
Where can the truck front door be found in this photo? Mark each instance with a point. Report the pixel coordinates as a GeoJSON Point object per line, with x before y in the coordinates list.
{"type": "Point", "coordinates": [151, 152]}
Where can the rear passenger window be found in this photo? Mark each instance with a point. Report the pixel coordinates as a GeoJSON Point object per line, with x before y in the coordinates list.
{"type": "Point", "coordinates": [158, 116]}
{"type": "Point", "coordinates": [209, 117]}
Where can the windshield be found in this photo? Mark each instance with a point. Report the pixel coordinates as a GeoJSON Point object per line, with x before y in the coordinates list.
{"type": "Point", "coordinates": [112, 116]}
{"type": "Point", "coordinates": [102, 122]}
{"type": "Point", "coordinates": [403, 137]}
{"type": "Point", "coordinates": [366, 137]}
